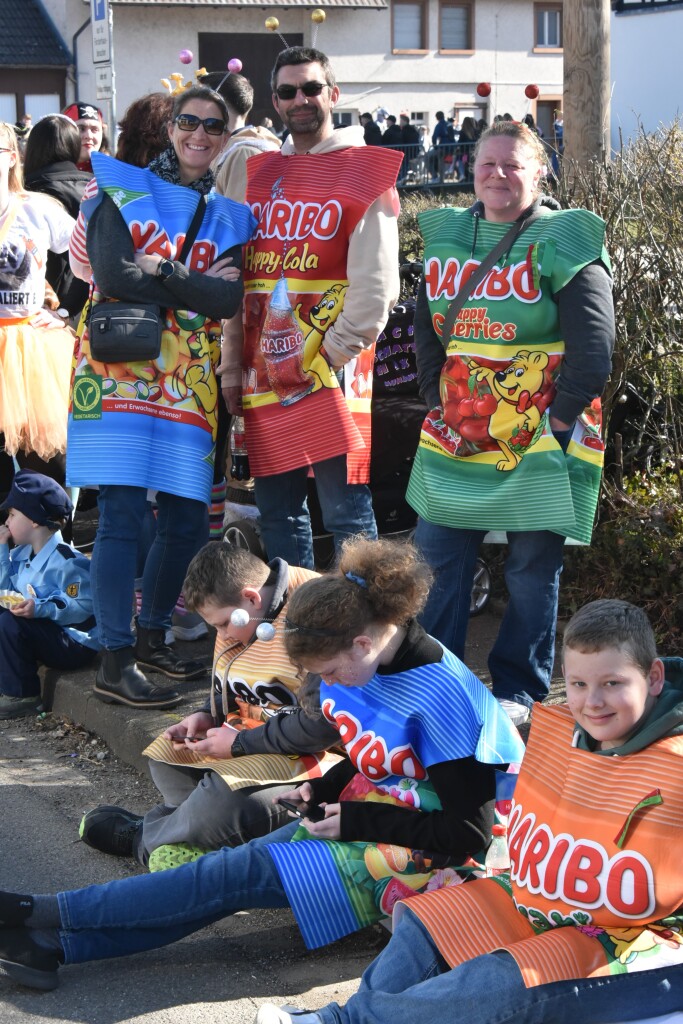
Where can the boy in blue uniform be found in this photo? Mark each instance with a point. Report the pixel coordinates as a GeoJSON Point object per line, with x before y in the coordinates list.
{"type": "Point", "coordinates": [54, 624]}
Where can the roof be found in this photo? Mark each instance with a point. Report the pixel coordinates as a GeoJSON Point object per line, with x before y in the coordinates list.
{"type": "Point", "coordinates": [645, 6]}
{"type": "Point", "coordinates": [28, 37]}
{"type": "Point", "coordinates": [288, 4]}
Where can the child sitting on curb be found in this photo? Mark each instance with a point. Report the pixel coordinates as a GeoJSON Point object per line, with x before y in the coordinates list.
{"type": "Point", "coordinates": [49, 618]}
{"type": "Point", "coordinates": [210, 801]}
{"type": "Point", "coordinates": [589, 925]}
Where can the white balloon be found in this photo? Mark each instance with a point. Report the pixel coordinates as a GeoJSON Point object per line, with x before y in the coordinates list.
{"type": "Point", "coordinates": [239, 618]}
{"type": "Point", "coordinates": [265, 631]}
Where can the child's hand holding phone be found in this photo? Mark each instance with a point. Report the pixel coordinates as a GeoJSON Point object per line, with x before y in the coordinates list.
{"type": "Point", "coordinates": [312, 812]}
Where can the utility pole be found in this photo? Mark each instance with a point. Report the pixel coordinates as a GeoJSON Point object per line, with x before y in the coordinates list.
{"type": "Point", "coordinates": [586, 80]}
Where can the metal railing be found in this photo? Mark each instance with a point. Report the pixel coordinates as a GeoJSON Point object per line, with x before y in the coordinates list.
{"type": "Point", "coordinates": [446, 165]}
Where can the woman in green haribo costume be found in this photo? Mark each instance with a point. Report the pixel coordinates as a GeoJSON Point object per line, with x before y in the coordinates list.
{"type": "Point", "coordinates": [512, 440]}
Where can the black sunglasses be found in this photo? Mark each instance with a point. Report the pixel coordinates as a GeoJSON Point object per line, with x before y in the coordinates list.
{"type": "Point", "coordinates": [288, 92]}
{"type": "Point", "coordinates": [190, 123]}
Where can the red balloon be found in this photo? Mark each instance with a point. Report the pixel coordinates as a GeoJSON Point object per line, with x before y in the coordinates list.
{"type": "Point", "coordinates": [484, 89]}
{"type": "Point", "coordinates": [531, 92]}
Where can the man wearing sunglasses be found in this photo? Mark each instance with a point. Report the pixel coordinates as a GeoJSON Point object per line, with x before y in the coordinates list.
{"type": "Point", "coordinates": [321, 274]}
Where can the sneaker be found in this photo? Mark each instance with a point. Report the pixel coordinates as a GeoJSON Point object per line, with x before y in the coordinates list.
{"type": "Point", "coordinates": [516, 712]}
{"type": "Point", "coordinates": [188, 626]}
{"type": "Point", "coordinates": [174, 855]}
{"type": "Point", "coordinates": [18, 707]}
{"type": "Point", "coordinates": [24, 961]}
{"type": "Point", "coordinates": [271, 1014]}
{"type": "Point", "coordinates": [110, 830]}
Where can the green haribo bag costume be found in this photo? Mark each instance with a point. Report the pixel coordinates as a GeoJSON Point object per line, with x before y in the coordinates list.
{"type": "Point", "coordinates": [487, 457]}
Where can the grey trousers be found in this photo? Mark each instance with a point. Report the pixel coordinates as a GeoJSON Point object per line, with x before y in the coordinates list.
{"type": "Point", "coordinates": [200, 808]}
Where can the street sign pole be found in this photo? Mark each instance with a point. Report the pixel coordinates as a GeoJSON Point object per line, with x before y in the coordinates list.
{"type": "Point", "coordinates": [103, 55]}
{"type": "Point", "coordinates": [112, 101]}
{"type": "Point", "coordinates": [100, 20]}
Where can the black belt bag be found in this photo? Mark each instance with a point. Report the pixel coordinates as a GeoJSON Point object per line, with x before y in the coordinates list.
{"type": "Point", "coordinates": [127, 332]}
{"type": "Point", "coordinates": [124, 333]}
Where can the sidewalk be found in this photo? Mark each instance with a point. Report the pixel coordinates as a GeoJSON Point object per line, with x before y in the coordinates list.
{"type": "Point", "coordinates": [127, 731]}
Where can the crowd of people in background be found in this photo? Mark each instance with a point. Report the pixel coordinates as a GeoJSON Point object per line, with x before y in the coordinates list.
{"type": "Point", "coordinates": [444, 153]}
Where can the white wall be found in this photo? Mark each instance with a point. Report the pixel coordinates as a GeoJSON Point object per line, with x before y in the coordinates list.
{"type": "Point", "coordinates": [645, 70]}
{"type": "Point", "coordinates": [503, 56]}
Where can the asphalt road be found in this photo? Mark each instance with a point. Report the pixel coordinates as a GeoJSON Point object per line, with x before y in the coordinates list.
{"type": "Point", "coordinates": [218, 975]}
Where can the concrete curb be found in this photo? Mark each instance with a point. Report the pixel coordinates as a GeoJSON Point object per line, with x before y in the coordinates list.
{"type": "Point", "coordinates": [126, 731]}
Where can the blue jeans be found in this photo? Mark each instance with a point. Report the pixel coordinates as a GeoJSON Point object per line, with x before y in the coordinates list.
{"type": "Point", "coordinates": [148, 911]}
{"type": "Point", "coordinates": [182, 529]}
{"type": "Point", "coordinates": [521, 660]}
{"type": "Point", "coordinates": [285, 520]}
{"type": "Point", "coordinates": [410, 982]}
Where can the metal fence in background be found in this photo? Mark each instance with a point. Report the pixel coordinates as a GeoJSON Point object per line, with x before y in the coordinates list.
{"type": "Point", "coordinates": [449, 164]}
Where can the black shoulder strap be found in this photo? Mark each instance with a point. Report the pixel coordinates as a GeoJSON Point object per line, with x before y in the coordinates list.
{"type": "Point", "coordinates": [487, 264]}
{"type": "Point", "coordinates": [195, 224]}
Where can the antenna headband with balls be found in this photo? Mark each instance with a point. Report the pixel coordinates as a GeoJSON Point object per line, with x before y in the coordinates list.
{"type": "Point", "coordinates": [266, 631]}
{"type": "Point", "coordinates": [318, 16]}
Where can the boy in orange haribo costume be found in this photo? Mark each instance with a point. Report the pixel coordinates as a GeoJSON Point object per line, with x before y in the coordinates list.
{"type": "Point", "coordinates": [589, 924]}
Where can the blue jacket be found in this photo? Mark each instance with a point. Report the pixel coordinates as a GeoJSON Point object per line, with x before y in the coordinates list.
{"type": "Point", "coordinates": [440, 135]}
{"type": "Point", "coordinates": [60, 582]}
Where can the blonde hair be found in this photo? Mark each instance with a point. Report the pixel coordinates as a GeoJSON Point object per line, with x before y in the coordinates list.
{"type": "Point", "coordinates": [377, 583]}
{"type": "Point", "coordinates": [517, 131]}
{"type": "Point", "coordinates": [8, 136]}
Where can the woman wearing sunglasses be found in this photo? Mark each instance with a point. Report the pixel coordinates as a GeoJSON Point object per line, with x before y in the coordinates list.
{"type": "Point", "coordinates": [150, 424]}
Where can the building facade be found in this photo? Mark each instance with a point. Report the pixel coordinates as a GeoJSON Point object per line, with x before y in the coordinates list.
{"type": "Point", "coordinates": [413, 56]}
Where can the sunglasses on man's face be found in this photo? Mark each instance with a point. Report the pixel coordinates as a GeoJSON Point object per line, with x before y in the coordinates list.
{"type": "Point", "coordinates": [288, 92]}
{"type": "Point", "coordinates": [190, 123]}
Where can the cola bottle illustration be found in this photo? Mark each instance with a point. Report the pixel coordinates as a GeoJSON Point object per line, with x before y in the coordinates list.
{"type": "Point", "coordinates": [282, 347]}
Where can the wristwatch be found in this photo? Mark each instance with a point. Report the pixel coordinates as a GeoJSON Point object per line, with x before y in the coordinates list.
{"type": "Point", "coordinates": [165, 269]}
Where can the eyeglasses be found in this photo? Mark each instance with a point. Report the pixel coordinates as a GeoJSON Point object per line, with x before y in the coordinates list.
{"type": "Point", "coordinates": [190, 123]}
{"type": "Point", "coordinates": [288, 92]}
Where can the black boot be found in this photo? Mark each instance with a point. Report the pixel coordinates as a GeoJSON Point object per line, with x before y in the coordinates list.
{"type": "Point", "coordinates": [152, 652]}
{"type": "Point", "coordinates": [120, 681]}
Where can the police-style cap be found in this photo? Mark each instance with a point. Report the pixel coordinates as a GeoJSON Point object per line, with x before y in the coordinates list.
{"type": "Point", "coordinates": [40, 499]}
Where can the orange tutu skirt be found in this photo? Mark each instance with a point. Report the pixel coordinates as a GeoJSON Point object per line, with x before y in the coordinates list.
{"type": "Point", "coordinates": [35, 373]}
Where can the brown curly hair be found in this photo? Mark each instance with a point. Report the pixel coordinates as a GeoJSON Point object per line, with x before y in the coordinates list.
{"type": "Point", "coordinates": [143, 129]}
{"type": "Point", "coordinates": [377, 582]}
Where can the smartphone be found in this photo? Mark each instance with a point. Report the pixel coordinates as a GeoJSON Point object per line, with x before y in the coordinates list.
{"type": "Point", "coordinates": [195, 739]}
{"type": "Point", "coordinates": [313, 813]}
